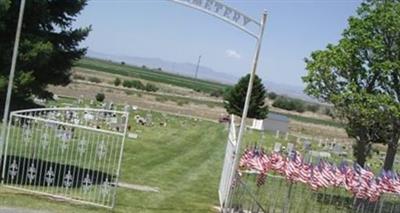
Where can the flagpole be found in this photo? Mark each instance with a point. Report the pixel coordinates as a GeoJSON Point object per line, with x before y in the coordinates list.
{"type": "Point", "coordinates": [11, 78]}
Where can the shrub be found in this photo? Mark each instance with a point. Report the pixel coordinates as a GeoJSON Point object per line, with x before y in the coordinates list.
{"type": "Point", "coordinates": [272, 95]}
{"type": "Point", "coordinates": [161, 99]}
{"type": "Point", "coordinates": [127, 83]}
{"type": "Point", "coordinates": [182, 102]}
{"type": "Point", "coordinates": [94, 80]}
{"type": "Point", "coordinates": [137, 84]}
{"type": "Point", "coordinates": [217, 93]}
{"type": "Point", "coordinates": [312, 107]}
{"type": "Point", "coordinates": [128, 92]}
{"type": "Point", "coordinates": [289, 104]}
{"type": "Point", "coordinates": [134, 83]}
{"type": "Point", "coordinates": [100, 97]}
{"type": "Point", "coordinates": [151, 87]}
{"type": "Point", "coordinates": [117, 82]}
{"type": "Point", "coordinates": [78, 77]}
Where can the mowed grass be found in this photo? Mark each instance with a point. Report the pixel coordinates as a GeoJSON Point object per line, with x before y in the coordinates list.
{"type": "Point", "coordinates": [183, 160]}
{"type": "Point", "coordinates": [151, 75]}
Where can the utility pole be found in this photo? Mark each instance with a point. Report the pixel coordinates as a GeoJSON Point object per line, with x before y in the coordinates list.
{"type": "Point", "coordinates": [197, 67]}
{"type": "Point", "coordinates": [10, 84]}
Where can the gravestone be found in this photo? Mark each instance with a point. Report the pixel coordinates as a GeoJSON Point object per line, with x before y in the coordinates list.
{"type": "Point", "coordinates": [132, 135]}
{"type": "Point", "coordinates": [337, 149]}
{"type": "Point", "coordinates": [277, 134]}
{"type": "Point", "coordinates": [287, 136]}
{"type": "Point", "coordinates": [277, 147]}
{"type": "Point", "coordinates": [126, 108]}
{"type": "Point", "coordinates": [149, 118]}
{"type": "Point", "coordinates": [320, 143]}
{"type": "Point", "coordinates": [80, 99]}
{"type": "Point", "coordinates": [290, 148]}
{"type": "Point", "coordinates": [307, 145]}
{"type": "Point", "coordinates": [111, 106]}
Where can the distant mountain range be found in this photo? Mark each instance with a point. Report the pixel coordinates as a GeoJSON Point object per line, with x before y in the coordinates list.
{"type": "Point", "coordinates": [188, 69]}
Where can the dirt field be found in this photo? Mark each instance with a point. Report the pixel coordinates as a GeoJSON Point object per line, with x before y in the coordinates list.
{"type": "Point", "coordinates": [144, 101]}
{"type": "Point", "coordinates": [150, 101]}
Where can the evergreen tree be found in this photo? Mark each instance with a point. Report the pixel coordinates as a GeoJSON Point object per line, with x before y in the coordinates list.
{"type": "Point", "coordinates": [235, 98]}
{"type": "Point", "coordinates": [49, 45]}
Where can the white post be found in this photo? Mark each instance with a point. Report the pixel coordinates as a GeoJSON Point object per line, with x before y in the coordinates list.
{"type": "Point", "coordinates": [11, 78]}
{"type": "Point", "coordinates": [248, 96]}
{"type": "Point", "coordinates": [277, 134]}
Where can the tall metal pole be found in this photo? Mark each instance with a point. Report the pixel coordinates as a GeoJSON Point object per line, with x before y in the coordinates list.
{"type": "Point", "coordinates": [248, 97]}
{"type": "Point", "coordinates": [197, 67]}
{"type": "Point", "coordinates": [11, 78]}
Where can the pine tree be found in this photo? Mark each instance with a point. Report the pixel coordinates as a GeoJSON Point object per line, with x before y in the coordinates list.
{"type": "Point", "coordinates": [235, 98]}
{"type": "Point", "coordinates": [49, 45]}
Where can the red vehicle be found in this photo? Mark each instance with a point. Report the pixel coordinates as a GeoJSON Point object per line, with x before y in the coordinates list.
{"type": "Point", "coordinates": [224, 119]}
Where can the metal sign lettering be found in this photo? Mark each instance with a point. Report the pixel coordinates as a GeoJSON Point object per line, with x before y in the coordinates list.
{"type": "Point", "coordinates": [222, 11]}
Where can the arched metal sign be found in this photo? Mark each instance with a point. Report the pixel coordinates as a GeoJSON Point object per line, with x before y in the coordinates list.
{"type": "Point", "coordinates": [224, 12]}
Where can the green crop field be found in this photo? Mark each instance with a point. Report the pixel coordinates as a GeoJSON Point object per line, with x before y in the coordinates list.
{"type": "Point", "coordinates": [317, 121]}
{"type": "Point", "coordinates": [151, 75]}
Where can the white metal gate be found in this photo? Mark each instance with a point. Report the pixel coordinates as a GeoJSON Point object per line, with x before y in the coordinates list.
{"type": "Point", "coordinates": [228, 167]}
{"type": "Point", "coordinates": [70, 153]}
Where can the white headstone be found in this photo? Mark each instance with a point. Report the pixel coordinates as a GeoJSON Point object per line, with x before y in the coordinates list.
{"type": "Point", "coordinates": [277, 147]}
{"type": "Point", "coordinates": [126, 108]}
{"type": "Point", "coordinates": [287, 136]}
{"type": "Point", "coordinates": [290, 148]}
{"type": "Point", "coordinates": [277, 134]}
{"type": "Point", "coordinates": [132, 135]}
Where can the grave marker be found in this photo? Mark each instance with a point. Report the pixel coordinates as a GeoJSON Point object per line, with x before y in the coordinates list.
{"type": "Point", "coordinates": [277, 147]}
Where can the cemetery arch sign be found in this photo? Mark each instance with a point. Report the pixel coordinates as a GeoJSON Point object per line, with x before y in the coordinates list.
{"type": "Point", "coordinates": [212, 7]}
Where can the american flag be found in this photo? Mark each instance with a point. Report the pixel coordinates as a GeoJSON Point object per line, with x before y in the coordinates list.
{"type": "Point", "coordinates": [278, 163]}
{"type": "Point", "coordinates": [293, 167]}
{"type": "Point", "coordinates": [355, 179]}
{"type": "Point", "coordinates": [305, 173]}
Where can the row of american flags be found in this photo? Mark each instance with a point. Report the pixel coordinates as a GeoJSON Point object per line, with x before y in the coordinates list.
{"type": "Point", "coordinates": [361, 182]}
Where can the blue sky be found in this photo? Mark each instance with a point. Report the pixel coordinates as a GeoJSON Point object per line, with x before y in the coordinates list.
{"type": "Point", "coordinates": [163, 29]}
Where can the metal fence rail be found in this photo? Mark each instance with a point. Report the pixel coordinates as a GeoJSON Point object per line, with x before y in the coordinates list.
{"type": "Point", "coordinates": [70, 153]}
{"type": "Point", "coordinates": [227, 168]}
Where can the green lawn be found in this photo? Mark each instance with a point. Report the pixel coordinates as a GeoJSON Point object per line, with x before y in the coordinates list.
{"type": "Point", "coordinates": [151, 75]}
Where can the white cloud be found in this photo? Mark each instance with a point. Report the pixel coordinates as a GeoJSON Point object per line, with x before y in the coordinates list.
{"type": "Point", "coordinates": [232, 54]}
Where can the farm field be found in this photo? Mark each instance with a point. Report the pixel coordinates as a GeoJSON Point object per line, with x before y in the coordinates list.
{"type": "Point", "coordinates": [152, 75]}
{"type": "Point", "coordinates": [92, 66]}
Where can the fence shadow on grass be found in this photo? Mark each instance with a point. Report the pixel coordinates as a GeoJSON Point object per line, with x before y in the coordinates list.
{"type": "Point", "coordinates": [18, 170]}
